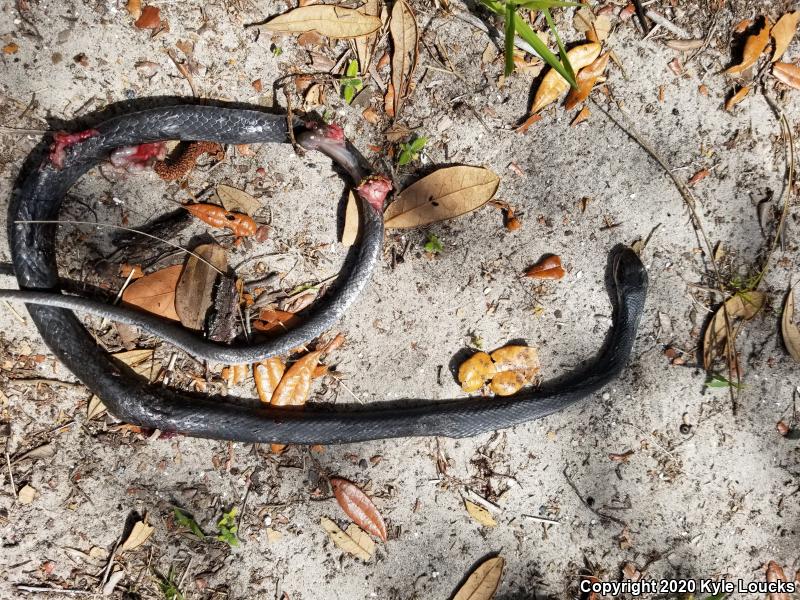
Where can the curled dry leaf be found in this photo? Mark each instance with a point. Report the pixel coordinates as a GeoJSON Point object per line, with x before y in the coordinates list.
{"type": "Point", "coordinates": [366, 45]}
{"type": "Point", "coordinates": [790, 331]}
{"type": "Point", "coordinates": [582, 115]}
{"type": "Point", "coordinates": [332, 21]}
{"type": "Point", "coordinates": [194, 294]}
{"type": "Point", "coordinates": [774, 575]}
{"type": "Point", "coordinates": [475, 371]}
{"type": "Point", "coordinates": [405, 40]}
{"type": "Point", "coordinates": [149, 18]}
{"type": "Point", "coordinates": [444, 194]}
{"type": "Point", "coordinates": [586, 79]}
{"type": "Point", "coordinates": [480, 514]}
{"type": "Point", "coordinates": [139, 534]}
{"type": "Point", "coordinates": [233, 199]}
{"type": "Point", "coordinates": [547, 268]}
{"type": "Point", "coordinates": [601, 28]}
{"type": "Point", "coordinates": [275, 321]}
{"type": "Point", "coordinates": [787, 73]}
{"type": "Point", "coordinates": [737, 98]}
{"type": "Point", "coordinates": [553, 84]}
{"type": "Point", "coordinates": [359, 507]}
{"type": "Point", "coordinates": [684, 45]}
{"type": "Point", "coordinates": [753, 48]}
{"type": "Point", "coordinates": [295, 386]}
{"type": "Point", "coordinates": [267, 374]}
{"type": "Point", "coordinates": [744, 305]}
{"type": "Point", "coordinates": [155, 293]}
{"type": "Point", "coordinates": [783, 32]}
{"type": "Point", "coordinates": [353, 541]}
{"type": "Point", "coordinates": [482, 584]}
{"type": "Point", "coordinates": [350, 230]}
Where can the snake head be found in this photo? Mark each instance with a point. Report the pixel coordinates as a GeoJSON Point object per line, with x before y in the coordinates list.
{"type": "Point", "coordinates": [629, 272]}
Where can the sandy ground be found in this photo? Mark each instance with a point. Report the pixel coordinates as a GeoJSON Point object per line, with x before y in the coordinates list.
{"type": "Point", "coordinates": [716, 499]}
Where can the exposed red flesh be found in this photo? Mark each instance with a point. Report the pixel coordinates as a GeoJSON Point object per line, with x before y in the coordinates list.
{"type": "Point", "coordinates": [137, 158]}
{"type": "Point", "coordinates": [374, 190]}
{"type": "Point", "coordinates": [62, 141]}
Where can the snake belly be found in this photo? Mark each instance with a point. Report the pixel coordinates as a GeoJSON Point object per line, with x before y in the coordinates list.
{"type": "Point", "coordinates": [131, 398]}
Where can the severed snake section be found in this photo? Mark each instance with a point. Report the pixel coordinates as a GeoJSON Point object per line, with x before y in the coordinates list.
{"type": "Point", "coordinates": [129, 397]}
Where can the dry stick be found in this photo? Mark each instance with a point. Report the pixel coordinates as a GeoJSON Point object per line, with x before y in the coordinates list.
{"type": "Point", "coordinates": [136, 231]}
{"type": "Point", "coordinates": [586, 504]}
{"type": "Point", "coordinates": [11, 475]}
{"type": "Point", "coordinates": [690, 202]}
{"type": "Point", "coordinates": [49, 590]}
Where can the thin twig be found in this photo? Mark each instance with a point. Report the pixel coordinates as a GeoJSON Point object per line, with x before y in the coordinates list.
{"type": "Point", "coordinates": [42, 380]}
{"type": "Point", "coordinates": [48, 590]}
{"type": "Point", "coordinates": [586, 504]}
{"type": "Point", "coordinates": [11, 475]}
{"type": "Point", "coordinates": [109, 226]}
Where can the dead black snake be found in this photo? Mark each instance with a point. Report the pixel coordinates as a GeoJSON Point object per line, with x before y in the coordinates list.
{"type": "Point", "coordinates": [129, 397]}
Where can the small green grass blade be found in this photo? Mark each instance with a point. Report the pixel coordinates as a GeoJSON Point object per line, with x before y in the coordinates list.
{"type": "Point", "coordinates": [509, 39]}
{"type": "Point", "coordinates": [561, 50]}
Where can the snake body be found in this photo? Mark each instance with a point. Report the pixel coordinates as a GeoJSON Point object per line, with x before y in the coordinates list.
{"type": "Point", "coordinates": [129, 397]}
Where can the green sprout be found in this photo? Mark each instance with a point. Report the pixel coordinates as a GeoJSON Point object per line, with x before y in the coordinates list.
{"type": "Point", "coordinates": [169, 587]}
{"type": "Point", "coordinates": [227, 528]}
{"type": "Point", "coordinates": [433, 245]}
{"type": "Point", "coordinates": [718, 381]}
{"type": "Point", "coordinates": [516, 25]}
{"type": "Point", "coordinates": [411, 150]}
{"type": "Point", "coordinates": [184, 520]}
{"type": "Point", "coordinates": [351, 84]}
{"type": "Point", "coordinates": [276, 50]}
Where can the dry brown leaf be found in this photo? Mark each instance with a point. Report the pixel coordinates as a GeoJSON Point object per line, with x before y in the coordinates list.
{"type": "Point", "coordinates": [547, 268]}
{"type": "Point", "coordinates": [475, 371]}
{"type": "Point", "coordinates": [26, 495]}
{"type": "Point", "coordinates": [388, 101]}
{"type": "Point", "coordinates": [684, 45]}
{"type": "Point", "coordinates": [783, 32]}
{"type": "Point", "coordinates": [775, 574]}
{"type": "Point", "coordinates": [444, 194]}
{"type": "Point", "coordinates": [134, 8]}
{"type": "Point", "coordinates": [150, 18]}
{"type": "Point", "coordinates": [737, 98]}
{"type": "Point", "coordinates": [753, 48]}
{"type": "Point", "coordinates": [331, 21]}
{"type": "Point", "coordinates": [698, 177]}
{"type": "Point", "coordinates": [233, 199]}
{"type": "Point", "coordinates": [482, 584]}
{"type": "Point", "coordinates": [405, 41]}
{"type": "Point", "coordinates": [353, 541]}
{"type": "Point", "coordinates": [95, 408]}
{"type": "Point", "coordinates": [366, 45]}
{"type": "Point", "coordinates": [138, 536]}
{"type": "Point", "coordinates": [744, 305]}
{"type": "Point", "coordinates": [600, 29]}
{"type": "Point", "coordinates": [583, 19]}
{"type": "Point", "coordinates": [787, 73]}
{"type": "Point", "coordinates": [790, 331]}
{"type": "Point", "coordinates": [276, 321]}
{"type": "Point", "coordinates": [155, 293]}
{"type": "Point", "coordinates": [359, 507]}
{"type": "Point", "coordinates": [295, 386]}
{"type": "Point", "coordinates": [582, 115]}
{"type": "Point", "coordinates": [267, 374]}
{"type": "Point", "coordinates": [553, 84]}
{"type": "Point", "coordinates": [586, 78]}
{"type": "Point", "coordinates": [194, 294]}
{"type": "Point", "coordinates": [480, 514]}
{"type": "Point", "coordinates": [351, 221]}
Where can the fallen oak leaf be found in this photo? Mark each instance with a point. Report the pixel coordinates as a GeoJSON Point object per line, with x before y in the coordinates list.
{"type": "Point", "coordinates": [753, 48]}
{"type": "Point", "coordinates": [553, 84]}
{"type": "Point", "coordinates": [444, 194]}
{"type": "Point", "coordinates": [295, 386]}
{"type": "Point", "coordinates": [789, 331]}
{"type": "Point", "coordinates": [351, 221]}
{"type": "Point", "coordinates": [787, 73]}
{"type": "Point", "coordinates": [194, 293]}
{"type": "Point", "coordinates": [335, 22]}
{"type": "Point", "coordinates": [405, 40]}
{"type": "Point", "coordinates": [737, 98]}
{"type": "Point", "coordinates": [480, 514]}
{"type": "Point", "coordinates": [585, 79]}
{"type": "Point", "coordinates": [782, 32]}
{"type": "Point", "coordinates": [139, 534]}
{"type": "Point", "coordinates": [233, 199]}
{"type": "Point", "coordinates": [743, 305]}
{"type": "Point", "coordinates": [483, 582]}
{"type": "Point", "coordinates": [267, 374]}
{"type": "Point", "coordinates": [359, 507]}
{"type": "Point", "coordinates": [155, 292]}
{"type": "Point", "coordinates": [149, 18]}
{"type": "Point", "coordinates": [275, 321]}
{"type": "Point", "coordinates": [366, 45]}
{"type": "Point", "coordinates": [353, 541]}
